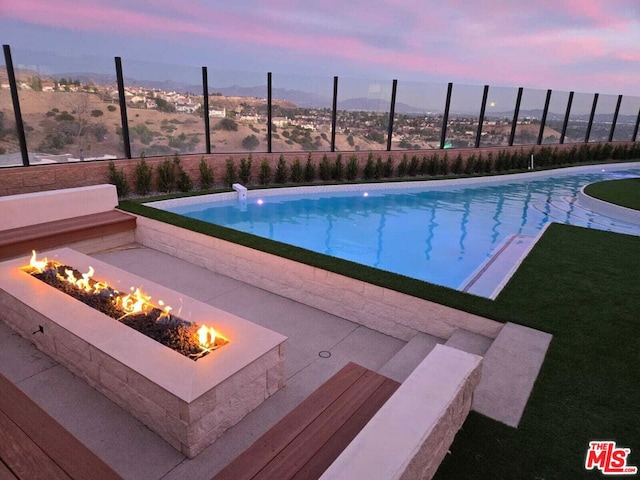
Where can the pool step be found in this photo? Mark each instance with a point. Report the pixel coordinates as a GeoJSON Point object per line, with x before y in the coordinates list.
{"type": "Point", "coordinates": [489, 278]}
{"type": "Point", "coordinates": [469, 342]}
{"type": "Point", "coordinates": [400, 366]}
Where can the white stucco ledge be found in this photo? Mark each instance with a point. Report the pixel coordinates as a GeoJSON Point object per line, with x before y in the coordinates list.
{"type": "Point", "coordinates": [410, 435]}
{"type": "Point", "coordinates": [33, 208]}
{"type": "Point", "coordinates": [611, 210]}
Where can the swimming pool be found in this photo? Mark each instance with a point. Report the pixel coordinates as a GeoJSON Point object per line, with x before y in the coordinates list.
{"type": "Point", "coordinates": [438, 231]}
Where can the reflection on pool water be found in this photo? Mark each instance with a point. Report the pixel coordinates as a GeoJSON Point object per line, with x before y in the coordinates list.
{"type": "Point", "coordinates": [434, 232]}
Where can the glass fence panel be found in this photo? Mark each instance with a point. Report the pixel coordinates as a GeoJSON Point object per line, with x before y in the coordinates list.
{"type": "Point", "coordinates": [627, 118]}
{"type": "Point", "coordinates": [164, 108]}
{"type": "Point", "coordinates": [579, 117]}
{"type": "Point", "coordinates": [555, 117]}
{"type": "Point", "coordinates": [601, 126]}
{"type": "Point", "coordinates": [238, 111]}
{"type": "Point", "coordinates": [68, 109]}
{"type": "Point", "coordinates": [363, 113]}
{"type": "Point", "coordinates": [9, 145]}
{"type": "Point", "coordinates": [530, 116]}
{"type": "Point", "coordinates": [464, 112]}
{"type": "Point", "coordinates": [301, 109]}
{"type": "Point", "coordinates": [418, 115]}
{"type": "Point", "coordinates": [498, 116]}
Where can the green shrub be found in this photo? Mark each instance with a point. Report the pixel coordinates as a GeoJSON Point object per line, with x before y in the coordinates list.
{"type": "Point", "coordinates": [414, 166]}
{"type": "Point", "coordinates": [379, 171]}
{"type": "Point", "coordinates": [245, 169]}
{"type": "Point", "coordinates": [424, 166]}
{"type": "Point", "coordinates": [338, 168]}
{"type": "Point", "coordinates": [352, 168]}
{"type": "Point", "coordinates": [118, 178]}
{"type": "Point", "coordinates": [296, 171]}
{"type": "Point", "coordinates": [265, 172]}
{"type": "Point", "coordinates": [403, 166]}
{"type": "Point", "coordinates": [183, 181]}
{"type": "Point", "coordinates": [309, 170]}
{"type": "Point", "coordinates": [369, 168]}
{"type": "Point", "coordinates": [457, 167]}
{"type": "Point", "coordinates": [111, 108]}
{"type": "Point", "coordinates": [144, 176]}
{"type": "Point", "coordinates": [206, 174]}
{"type": "Point", "coordinates": [325, 169]}
{"type": "Point", "coordinates": [166, 176]}
{"type": "Point", "coordinates": [282, 170]}
{"type": "Point", "coordinates": [388, 168]}
{"type": "Point", "coordinates": [444, 165]}
{"type": "Point", "coordinates": [432, 168]}
{"type": "Point", "coordinates": [230, 176]}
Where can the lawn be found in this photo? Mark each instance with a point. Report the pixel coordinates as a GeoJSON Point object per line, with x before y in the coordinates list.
{"type": "Point", "coordinates": [624, 192]}
{"type": "Point", "coordinates": [583, 286]}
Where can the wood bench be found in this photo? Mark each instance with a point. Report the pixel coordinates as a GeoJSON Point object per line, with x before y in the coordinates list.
{"type": "Point", "coordinates": [42, 236]}
{"type": "Point", "coordinates": [306, 441]}
{"type": "Point", "coordinates": [35, 446]}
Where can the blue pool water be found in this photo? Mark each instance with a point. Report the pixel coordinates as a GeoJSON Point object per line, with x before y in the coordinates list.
{"type": "Point", "coordinates": [440, 234]}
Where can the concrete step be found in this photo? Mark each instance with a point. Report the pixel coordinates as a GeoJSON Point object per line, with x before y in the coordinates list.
{"type": "Point", "coordinates": [509, 371]}
{"type": "Point", "coordinates": [469, 342]}
{"type": "Point", "coordinates": [400, 366]}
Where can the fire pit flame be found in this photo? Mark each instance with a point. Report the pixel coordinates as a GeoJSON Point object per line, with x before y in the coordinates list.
{"type": "Point", "coordinates": [136, 302]}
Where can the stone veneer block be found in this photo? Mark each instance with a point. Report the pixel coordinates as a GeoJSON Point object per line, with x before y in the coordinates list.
{"type": "Point", "coordinates": [188, 403]}
{"type": "Point", "coordinates": [410, 435]}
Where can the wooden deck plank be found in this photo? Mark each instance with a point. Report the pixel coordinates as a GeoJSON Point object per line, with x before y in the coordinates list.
{"type": "Point", "coordinates": [27, 460]}
{"type": "Point", "coordinates": [5, 473]}
{"type": "Point", "coordinates": [292, 458]}
{"type": "Point", "coordinates": [331, 450]}
{"type": "Point", "coordinates": [252, 460]}
{"type": "Point", "coordinates": [18, 241]}
{"type": "Point", "coordinates": [53, 439]}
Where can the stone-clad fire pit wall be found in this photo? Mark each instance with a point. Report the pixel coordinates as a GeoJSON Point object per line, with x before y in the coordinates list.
{"type": "Point", "coordinates": [188, 403]}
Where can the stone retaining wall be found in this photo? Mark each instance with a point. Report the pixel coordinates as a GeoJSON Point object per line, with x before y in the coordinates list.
{"type": "Point", "coordinates": [410, 435]}
{"type": "Point", "coordinates": [381, 309]}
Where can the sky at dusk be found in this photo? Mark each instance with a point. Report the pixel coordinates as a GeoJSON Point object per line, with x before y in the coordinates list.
{"type": "Point", "coordinates": [582, 45]}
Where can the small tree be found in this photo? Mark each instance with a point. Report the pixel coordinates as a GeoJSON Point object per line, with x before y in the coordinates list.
{"type": "Point", "coordinates": [325, 168]}
{"type": "Point", "coordinates": [228, 124]}
{"type": "Point", "coordinates": [118, 178]}
{"type": "Point", "coordinates": [230, 173]}
{"type": "Point", "coordinates": [282, 172]}
{"type": "Point", "coordinates": [166, 176]}
{"type": "Point", "coordinates": [296, 171]}
{"type": "Point", "coordinates": [265, 172]}
{"type": "Point", "coordinates": [414, 165]}
{"type": "Point", "coordinates": [370, 168]}
{"type": "Point", "coordinates": [144, 176]}
{"type": "Point", "coordinates": [379, 171]}
{"type": "Point", "coordinates": [388, 167]}
{"type": "Point", "coordinates": [403, 166]}
{"type": "Point", "coordinates": [309, 170]}
{"type": "Point", "coordinates": [206, 174]}
{"type": "Point", "coordinates": [183, 181]}
{"type": "Point", "coordinates": [245, 169]}
{"type": "Point", "coordinates": [338, 169]}
{"type": "Point", "coordinates": [250, 142]}
{"type": "Point", "coordinates": [352, 168]}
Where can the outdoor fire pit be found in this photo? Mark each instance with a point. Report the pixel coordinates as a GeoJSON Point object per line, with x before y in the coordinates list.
{"type": "Point", "coordinates": [189, 403]}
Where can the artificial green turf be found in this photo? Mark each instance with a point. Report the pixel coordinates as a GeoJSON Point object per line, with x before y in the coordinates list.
{"type": "Point", "coordinates": [583, 286]}
{"type": "Point", "coordinates": [624, 192]}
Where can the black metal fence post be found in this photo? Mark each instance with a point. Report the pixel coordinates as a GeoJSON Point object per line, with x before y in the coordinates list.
{"type": "Point", "coordinates": [123, 109]}
{"type": "Point", "coordinates": [269, 112]}
{"type": "Point", "coordinates": [543, 120]}
{"type": "Point", "coordinates": [635, 129]}
{"type": "Point", "coordinates": [591, 117]}
{"type": "Point", "coordinates": [22, 139]}
{"type": "Point", "coordinates": [485, 94]}
{"type": "Point", "coordinates": [614, 120]}
{"type": "Point", "coordinates": [205, 108]}
{"type": "Point", "coordinates": [566, 118]}
{"type": "Point", "coordinates": [334, 114]}
{"type": "Point", "coordinates": [516, 112]}
{"type": "Point", "coordinates": [445, 118]}
{"type": "Point", "coordinates": [392, 113]}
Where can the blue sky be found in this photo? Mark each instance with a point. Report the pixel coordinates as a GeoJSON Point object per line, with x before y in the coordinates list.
{"type": "Point", "coordinates": [582, 45]}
